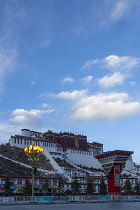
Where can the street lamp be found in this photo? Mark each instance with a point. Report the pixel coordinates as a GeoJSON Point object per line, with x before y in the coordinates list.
{"type": "Point", "coordinates": [33, 152]}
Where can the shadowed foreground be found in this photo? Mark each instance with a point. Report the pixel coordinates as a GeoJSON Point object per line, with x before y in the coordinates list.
{"type": "Point", "coordinates": [84, 206]}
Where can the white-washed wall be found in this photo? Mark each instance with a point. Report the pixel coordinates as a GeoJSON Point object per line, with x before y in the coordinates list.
{"type": "Point", "coordinates": [23, 142]}
{"type": "Point", "coordinates": [52, 161]}
{"type": "Point", "coordinates": [20, 142]}
{"type": "Point", "coordinates": [57, 155]}
{"type": "Point", "coordinates": [130, 167]}
{"type": "Point", "coordinates": [82, 158]}
{"type": "Point", "coordinates": [25, 132]}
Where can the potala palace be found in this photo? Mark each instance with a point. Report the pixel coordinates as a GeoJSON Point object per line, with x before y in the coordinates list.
{"type": "Point", "coordinates": [70, 155]}
{"type": "Point", "coordinates": [75, 150]}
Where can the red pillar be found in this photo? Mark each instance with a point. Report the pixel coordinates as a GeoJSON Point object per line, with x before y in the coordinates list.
{"type": "Point", "coordinates": [114, 181]}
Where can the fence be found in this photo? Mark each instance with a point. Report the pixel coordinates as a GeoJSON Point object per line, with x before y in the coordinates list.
{"type": "Point", "coordinates": [66, 199]}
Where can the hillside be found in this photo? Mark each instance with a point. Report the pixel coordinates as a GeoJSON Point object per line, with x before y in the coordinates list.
{"type": "Point", "coordinates": [12, 160]}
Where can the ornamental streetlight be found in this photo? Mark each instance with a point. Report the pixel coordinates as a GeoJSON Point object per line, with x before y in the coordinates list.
{"type": "Point", "coordinates": [33, 152]}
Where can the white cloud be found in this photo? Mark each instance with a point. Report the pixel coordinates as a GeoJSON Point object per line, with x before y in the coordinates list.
{"type": "Point", "coordinates": [87, 79]}
{"type": "Point", "coordinates": [119, 9]}
{"type": "Point", "coordinates": [6, 131]}
{"type": "Point", "coordinates": [68, 79]}
{"type": "Point", "coordinates": [109, 81]}
{"type": "Point", "coordinates": [89, 63]}
{"type": "Point", "coordinates": [6, 127]}
{"type": "Point", "coordinates": [72, 95]}
{"type": "Point", "coordinates": [7, 64]}
{"type": "Point", "coordinates": [116, 10]}
{"type": "Point", "coordinates": [132, 83]}
{"type": "Point", "coordinates": [111, 106]}
{"type": "Point", "coordinates": [8, 41]}
{"type": "Point", "coordinates": [32, 118]}
{"type": "Point", "coordinates": [114, 63]}
{"type": "Point", "coordinates": [45, 106]}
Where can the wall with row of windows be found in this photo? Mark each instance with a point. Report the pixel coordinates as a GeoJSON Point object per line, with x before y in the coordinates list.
{"type": "Point", "coordinates": [24, 142]}
{"type": "Point", "coordinates": [22, 181]}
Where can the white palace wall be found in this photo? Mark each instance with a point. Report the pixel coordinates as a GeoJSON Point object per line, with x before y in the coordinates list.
{"type": "Point", "coordinates": [83, 158]}
{"type": "Point", "coordinates": [79, 157]}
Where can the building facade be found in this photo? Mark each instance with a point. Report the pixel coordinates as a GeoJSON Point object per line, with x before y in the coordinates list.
{"type": "Point", "coordinates": [71, 147]}
{"type": "Point", "coordinates": [77, 152]}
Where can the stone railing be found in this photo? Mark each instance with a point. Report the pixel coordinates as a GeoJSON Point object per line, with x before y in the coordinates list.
{"type": "Point", "coordinates": [66, 199]}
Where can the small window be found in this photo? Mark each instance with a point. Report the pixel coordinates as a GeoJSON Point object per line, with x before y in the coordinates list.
{"type": "Point", "coordinates": [19, 181]}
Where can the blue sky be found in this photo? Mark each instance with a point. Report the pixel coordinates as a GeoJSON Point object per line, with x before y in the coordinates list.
{"type": "Point", "coordinates": [71, 66]}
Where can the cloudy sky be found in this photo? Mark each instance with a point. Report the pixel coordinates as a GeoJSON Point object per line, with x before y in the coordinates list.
{"type": "Point", "coordinates": [71, 66]}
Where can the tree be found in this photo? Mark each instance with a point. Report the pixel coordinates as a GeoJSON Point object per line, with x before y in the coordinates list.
{"type": "Point", "coordinates": [60, 185]}
{"type": "Point", "coordinates": [7, 187]}
{"type": "Point", "coordinates": [102, 187]}
{"type": "Point", "coordinates": [27, 189]}
{"type": "Point", "coordinates": [75, 186]}
{"type": "Point", "coordinates": [68, 192]}
{"type": "Point", "coordinates": [44, 187]}
{"type": "Point", "coordinates": [90, 186]}
{"type": "Point", "coordinates": [127, 188]}
{"type": "Point", "coordinates": [137, 188]}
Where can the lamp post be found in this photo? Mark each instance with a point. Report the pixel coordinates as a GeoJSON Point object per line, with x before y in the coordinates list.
{"type": "Point", "coordinates": [33, 152]}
